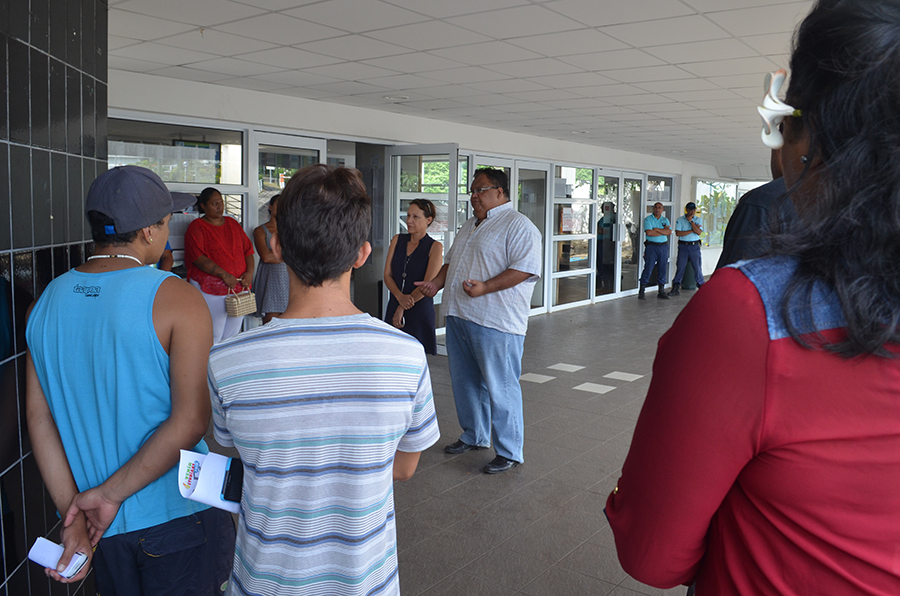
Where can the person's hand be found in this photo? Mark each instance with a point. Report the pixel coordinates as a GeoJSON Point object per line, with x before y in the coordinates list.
{"type": "Point", "coordinates": [230, 280]}
{"type": "Point", "coordinates": [427, 288]}
{"type": "Point", "coordinates": [406, 301]}
{"type": "Point", "coordinates": [398, 318]}
{"type": "Point", "coordinates": [246, 280]}
{"type": "Point", "coordinates": [98, 508]}
{"type": "Point", "coordinates": [75, 539]}
{"type": "Point", "coordinates": [474, 288]}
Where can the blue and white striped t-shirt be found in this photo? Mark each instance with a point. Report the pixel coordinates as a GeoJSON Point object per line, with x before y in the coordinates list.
{"type": "Point", "coordinates": [317, 408]}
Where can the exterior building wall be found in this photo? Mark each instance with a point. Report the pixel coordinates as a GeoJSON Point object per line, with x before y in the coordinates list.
{"type": "Point", "coordinates": [52, 145]}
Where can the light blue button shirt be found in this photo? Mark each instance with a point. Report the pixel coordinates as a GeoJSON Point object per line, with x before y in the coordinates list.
{"type": "Point", "coordinates": [651, 223]}
{"type": "Point", "coordinates": [683, 225]}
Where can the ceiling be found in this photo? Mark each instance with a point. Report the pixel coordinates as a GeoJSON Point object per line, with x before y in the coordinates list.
{"type": "Point", "coordinates": [674, 78]}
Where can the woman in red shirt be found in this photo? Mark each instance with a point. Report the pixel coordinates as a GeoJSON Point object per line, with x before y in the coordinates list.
{"type": "Point", "coordinates": [766, 458]}
{"type": "Point", "coordinates": [219, 258]}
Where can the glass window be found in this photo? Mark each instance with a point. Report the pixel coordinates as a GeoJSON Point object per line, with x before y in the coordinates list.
{"type": "Point", "coordinates": [573, 183]}
{"type": "Point", "coordinates": [716, 200]}
{"type": "Point", "coordinates": [276, 166]}
{"type": "Point", "coordinates": [571, 289]}
{"type": "Point", "coordinates": [178, 153]}
{"type": "Point", "coordinates": [572, 218]}
{"type": "Point", "coordinates": [573, 254]}
{"type": "Point", "coordinates": [659, 189]}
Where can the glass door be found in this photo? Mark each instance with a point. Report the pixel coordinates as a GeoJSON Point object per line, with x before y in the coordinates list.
{"type": "Point", "coordinates": [531, 183]}
{"type": "Point", "coordinates": [630, 232]}
{"type": "Point", "coordinates": [423, 172]}
{"type": "Point", "coordinates": [572, 257]}
{"type": "Point", "coordinates": [608, 232]}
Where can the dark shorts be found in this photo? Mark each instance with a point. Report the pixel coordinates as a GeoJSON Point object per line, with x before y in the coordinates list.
{"type": "Point", "coordinates": [187, 556]}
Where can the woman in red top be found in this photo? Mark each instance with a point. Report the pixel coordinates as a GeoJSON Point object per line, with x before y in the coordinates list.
{"type": "Point", "coordinates": [219, 258]}
{"type": "Point", "coordinates": [766, 458]}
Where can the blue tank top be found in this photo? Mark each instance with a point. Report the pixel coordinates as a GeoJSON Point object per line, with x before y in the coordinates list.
{"type": "Point", "coordinates": [106, 379]}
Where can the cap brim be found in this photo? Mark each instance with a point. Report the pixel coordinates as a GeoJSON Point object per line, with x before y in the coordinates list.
{"type": "Point", "coordinates": [182, 200]}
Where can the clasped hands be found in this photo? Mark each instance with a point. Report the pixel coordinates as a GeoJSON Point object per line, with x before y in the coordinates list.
{"type": "Point", "coordinates": [472, 287]}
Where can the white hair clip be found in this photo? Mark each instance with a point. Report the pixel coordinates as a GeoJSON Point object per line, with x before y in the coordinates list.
{"type": "Point", "coordinates": [774, 111]}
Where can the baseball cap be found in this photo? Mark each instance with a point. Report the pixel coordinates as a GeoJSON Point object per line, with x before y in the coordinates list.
{"type": "Point", "coordinates": [690, 206]}
{"type": "Point", "coordinates": [134, 198]}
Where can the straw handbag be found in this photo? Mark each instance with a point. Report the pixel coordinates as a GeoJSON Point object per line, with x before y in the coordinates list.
{"type": "Point", "coordinates": [238, 305]}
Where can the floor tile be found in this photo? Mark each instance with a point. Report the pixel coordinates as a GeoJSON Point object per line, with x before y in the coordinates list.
{"type": "Point", "coordinates": [623, 376]}
{"type": "Point", "coordinates": [565, 367]}
{"type": "Point", "coordinates": [463, 584]}
{"type": "Point", "coordinates": [557, 581]}
{"type": "Point", "coordinates": [594, 388]}
{"type": "Point", "coordinates": [595, 561]}
{"type": "Point", "coordinates": [535, 378]}
{"type": "Point", "coordinates": [508, 568]}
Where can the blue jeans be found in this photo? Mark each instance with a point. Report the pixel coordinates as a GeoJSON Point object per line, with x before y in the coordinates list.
{"type": "Point", "coordinates": [688, 252]}
{"type": "Point", "coordinates": [654, 253]}
{"type": "Point", "coordinates": [485, 365]}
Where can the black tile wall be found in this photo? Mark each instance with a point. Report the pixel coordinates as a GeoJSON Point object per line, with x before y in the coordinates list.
{"type": "Point", "coordinates": [53, 142]}
{"type": "Point", "coordinates": [40, 24]}
{"type": "Point", "coordinates": [4, 95]}
{"type": "Point", "coordinates": [40, 196]}
{"type": "Point", "coordinates": [19, 108]}
{"type": "Point", "coordinates": [40, 99]}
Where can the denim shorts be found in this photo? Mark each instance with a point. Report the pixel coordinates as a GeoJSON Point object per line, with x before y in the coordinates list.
{"type": "Point", "coordinates": [187, 556]}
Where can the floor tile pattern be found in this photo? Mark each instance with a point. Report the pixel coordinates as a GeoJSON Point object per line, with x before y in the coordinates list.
{"type": "Point", "coordinates": [538, 530]}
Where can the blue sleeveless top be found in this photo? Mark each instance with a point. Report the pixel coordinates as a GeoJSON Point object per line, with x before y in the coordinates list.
{"type": "Point", "coordinates": [106, 379]}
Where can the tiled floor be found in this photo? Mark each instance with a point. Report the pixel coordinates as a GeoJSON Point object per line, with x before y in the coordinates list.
{"type": "Point", "coordinates": [538, 530]}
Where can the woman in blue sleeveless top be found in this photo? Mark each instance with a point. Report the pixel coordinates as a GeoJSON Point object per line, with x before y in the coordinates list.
{"type": "Point", "coordinates": [413, 257]}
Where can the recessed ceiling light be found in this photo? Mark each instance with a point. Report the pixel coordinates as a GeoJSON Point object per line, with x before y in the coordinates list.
{"type": "Point", "coordinates": [396, 97]}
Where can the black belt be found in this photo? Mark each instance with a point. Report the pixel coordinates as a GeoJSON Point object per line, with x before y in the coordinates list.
{"type": "Point", "coordinates": [648, 243]}
{"type": "Point", "coordinates": [689, 243]}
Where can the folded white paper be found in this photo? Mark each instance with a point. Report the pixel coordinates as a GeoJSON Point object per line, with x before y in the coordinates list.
{"type": "Point", "coordinates": [47, 554]}
{"type": "Point", "coordinates": [201, 478]}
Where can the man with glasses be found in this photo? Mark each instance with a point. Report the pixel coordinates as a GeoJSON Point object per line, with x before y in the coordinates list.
{"type": "Point", "coordinates": [488, 276]}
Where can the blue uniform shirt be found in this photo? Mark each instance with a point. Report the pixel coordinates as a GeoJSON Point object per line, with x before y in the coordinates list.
{"type": "Point", "coordinates": [683, 225]}
{"type": "Point", "coordinates": [651, 223]}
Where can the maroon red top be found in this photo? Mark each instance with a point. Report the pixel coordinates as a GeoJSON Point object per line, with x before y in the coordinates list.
{"type": "Point", "coordinates": [227, 246]}
{"type": "Point", "coordinates": [757, 466]}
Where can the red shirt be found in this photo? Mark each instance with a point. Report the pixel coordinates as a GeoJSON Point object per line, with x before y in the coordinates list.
{"type": "Point", "coordinates": [758, 466]}
{"type": "Point", "coordinates": [227, 246]}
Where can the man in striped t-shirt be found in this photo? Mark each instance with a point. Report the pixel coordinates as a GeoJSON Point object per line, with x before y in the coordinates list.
{"type": "Point", "coordinates": [327, 406]}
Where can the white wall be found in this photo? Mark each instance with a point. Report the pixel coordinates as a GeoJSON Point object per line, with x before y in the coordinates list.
{"type": "Point", "coordinates": [165, 96]}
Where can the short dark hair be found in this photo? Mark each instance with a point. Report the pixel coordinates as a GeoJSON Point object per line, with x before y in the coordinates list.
{"type": "Point", "coordinates": [324, 217]}
{"type": "Point", "coordinates": [100, 223]}
{"type": "Point", "coordinates": [497, 177]}
{"type": "Point", "coordinates": [205, 196]}
{"type": "Point", "coordinates": [844, 65]}
{"type": "Point", "coordinates": [274, 199]}
{"type": "Point", "coordinates": [426, 206]}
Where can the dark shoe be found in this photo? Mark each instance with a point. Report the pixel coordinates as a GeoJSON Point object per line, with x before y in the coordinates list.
{"type": "Point", "coordinates": [676, 289]}
{"type": "Point", "coordinates": [662, 293]}
{"type": "Point", "coordinates": [500, 464]}
{"type": "Point", "coordinates": [641, 293]}
{"type": "Point", "coordinates": [460, 447]}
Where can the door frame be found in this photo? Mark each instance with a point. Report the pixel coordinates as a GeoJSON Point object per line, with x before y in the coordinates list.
{"type": "Point", "coordinates": [392, 202]}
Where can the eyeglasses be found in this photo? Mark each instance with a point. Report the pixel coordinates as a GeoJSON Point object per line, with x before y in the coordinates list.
{"type": "Point", "coordinates": [774, 111]}
{"type": "Point", "coordinates": [478, 191]}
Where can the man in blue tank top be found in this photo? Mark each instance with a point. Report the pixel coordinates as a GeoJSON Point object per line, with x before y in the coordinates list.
{"type": "Point", "coordinates": [116, 386]}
